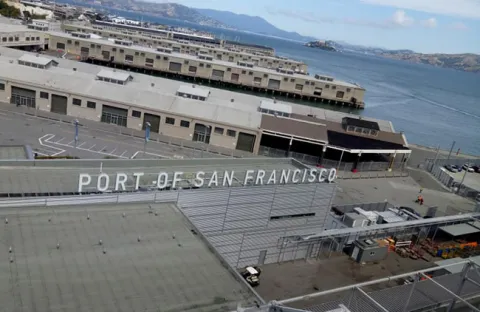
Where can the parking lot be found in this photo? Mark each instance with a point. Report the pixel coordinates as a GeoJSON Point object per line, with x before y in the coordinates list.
{"type": "Point", "coordinates": [53, 138]}
{"type": "Point", "coordinates": [472, 179]}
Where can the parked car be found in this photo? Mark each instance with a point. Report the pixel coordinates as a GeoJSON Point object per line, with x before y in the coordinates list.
{"type": "Point", "coordinates": [476, 168]}
{"type": "Point", "coordinates": [468, 167]}
{"type": "Point", "coordinates": [453, 168]}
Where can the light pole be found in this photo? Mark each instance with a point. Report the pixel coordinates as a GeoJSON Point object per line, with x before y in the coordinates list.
{"type": "Point", "coordinates": [75, 122]}
{"type": "Point", "coordinates": [451, 149]}
{"type": "Point", "coordinates": [147, 138]}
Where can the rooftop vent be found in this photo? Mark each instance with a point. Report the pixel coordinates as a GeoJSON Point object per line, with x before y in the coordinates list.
{"type": "Point", "coordinates": [74, 69]}
{"type": "Point", "coordinates": [36, 61]}
{"type": "Point", "coordinates": [123, 42]}
{"type": "Point", "coordinates": [245, 64]}
{"type": "Point", "coordinates": [205, 57]}
{"type": "Point", "coordinates": [152, 84]}
{"type": "Point", "coordinates": [192, 92]}
{"type": "Point", "coordinates": [274, 108]}
{"type": "Point", "coordinates": [114, 77]}
{"type": "Point", "coordinates": [164, 50]}
{"type": "Point", "coordinates": [81, 35]}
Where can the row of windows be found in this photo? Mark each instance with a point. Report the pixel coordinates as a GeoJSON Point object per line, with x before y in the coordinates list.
{"type": "Point", "coordinates": [12, 39]}
{"type": "Point", "coordinates": [90, 104]}
{"type": "Point", "coordinates": [186, 124]}
{"type": "Point", "coordinates": [149, 62]}
{"type": "Point", "coordinates": [361, 130]}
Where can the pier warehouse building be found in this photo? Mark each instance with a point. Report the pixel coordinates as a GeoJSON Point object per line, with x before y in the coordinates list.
{"type": "Point", "coordinates": [228, 120]}
{"type": "Point", "coordinates": [205, 69]}
{"type": "Point", "coordinates": [143, 37]}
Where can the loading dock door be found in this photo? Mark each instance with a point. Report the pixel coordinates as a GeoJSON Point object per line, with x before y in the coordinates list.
{"type": "Point", "coordinates": [59, 104]}
{"type": "Point", "coordinates": [245, 142]}
{"type": "Point", "coordinates": [175, 67]}
{"type": "Point", "coordinates": [273, 84]}
{"type": "Point", "coordinates": [21, 96]}
{"type": "Point", "coordinates": [154, 121]}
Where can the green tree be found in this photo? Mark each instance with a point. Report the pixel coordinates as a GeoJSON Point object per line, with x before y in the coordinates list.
{"type": "Point", "coordinates": [8, 10]}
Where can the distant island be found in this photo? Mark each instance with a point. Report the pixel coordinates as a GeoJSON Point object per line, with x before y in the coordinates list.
{"type": "Point", "coordinates": [320, 44]}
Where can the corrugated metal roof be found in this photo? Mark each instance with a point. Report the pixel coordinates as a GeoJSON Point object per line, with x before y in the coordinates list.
{"type": "Point", "coordinates": [293, 127]}
{"type": "Point", "coordinates": [459, 229]}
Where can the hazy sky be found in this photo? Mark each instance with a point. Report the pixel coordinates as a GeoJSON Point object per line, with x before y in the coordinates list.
{"type": "Point", "coordinates": [450, 26]}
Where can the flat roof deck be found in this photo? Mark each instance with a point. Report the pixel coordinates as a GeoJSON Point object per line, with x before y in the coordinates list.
{"type": "Point", "coordinates": [170, 269]}
{"type": "Point", "coordinates": [63, 176]}
{"type": "Point", "coordinates": [140, 92]}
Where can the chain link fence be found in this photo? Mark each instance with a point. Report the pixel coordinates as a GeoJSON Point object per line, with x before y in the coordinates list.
{"type": "Point", "coordinates": [437, 169]}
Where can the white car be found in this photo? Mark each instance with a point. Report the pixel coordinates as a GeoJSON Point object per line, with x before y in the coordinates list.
{"type": "Point", "coordinates": [469, 167]}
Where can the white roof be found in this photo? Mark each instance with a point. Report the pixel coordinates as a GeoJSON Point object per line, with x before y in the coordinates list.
{"type": "Point", "coordinates": [39, 60]}
{"type": "Point", "coordinates": [194, 90]}
{"type": "Point", "coordinates": [275, 106]}
{"type": "Point", "coordinates": [104, 73]}
{"type": "Point", "coordinates": [251, 270]}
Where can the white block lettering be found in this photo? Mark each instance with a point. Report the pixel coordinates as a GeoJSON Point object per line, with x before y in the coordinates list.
{"type": "Point", "coordinates": [120, 181]}
{"type": "Point", "coordinates": [199, 179]}
{"type": "Point", "coordinates": [177, 177]}
{"type": "Point", "coordinates": [260, 176]}
{"type": "Point", "coordinates": [332, 175]}
{"type": "Point", "coordinates": [285, 177]}
{"type": "Point", "coordinates": [248, 176]}
{"type": "Point", "coordinates": [304, 177]}
{"type": "Point", "coordinates": [295, 176]}
{"type": "Point", "coordinates": [137, 176]}
{"type": "Point", "coordinates": [273, 177]}
{"type": "Point", "coordinates": [84, 179]}
{"type": "Point", "coordinates": [312, 175]}
{"type": "Point", "coordinates": [103, 177]}
{"type": "Point", "coordinates": [228, 178]}
{"type": "Point", "coordinates": [321, 176]}
{"type": "Point", "coordinates": [162, 180]}
{"type": "Point", "coordinates": [213, 179]}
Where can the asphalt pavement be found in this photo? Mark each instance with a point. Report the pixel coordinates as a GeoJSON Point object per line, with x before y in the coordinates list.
{"type": "Point", "coordinates": [49, 137]}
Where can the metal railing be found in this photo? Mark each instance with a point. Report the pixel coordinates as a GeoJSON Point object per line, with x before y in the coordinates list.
{"type": "Point", "coordinates": [370, 169]}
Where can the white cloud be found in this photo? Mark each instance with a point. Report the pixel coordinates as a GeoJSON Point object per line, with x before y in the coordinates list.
{"type": "Point", "coordinates": [460, 8]}
{"type": "Point", "coordinates": [459, 26]}
{"type": "Point", "coordinates": [400, 18]}
{"type": "Point", "coordinates": [430, 23]}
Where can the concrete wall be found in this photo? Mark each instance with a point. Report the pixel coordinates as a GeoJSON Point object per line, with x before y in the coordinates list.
{"type": "Point", "coordinates": [155, 41]}
{"type": "Point", "coordinates": [204, 69]}
{"type": "Point", "coordinates": [95, 114]}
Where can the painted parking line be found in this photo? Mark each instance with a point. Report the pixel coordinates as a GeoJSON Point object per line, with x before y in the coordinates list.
{"type": "Point", "coordinates": [70, 143]}
{"type": "Point", "coordinates": [81, 144]}
{"type": "Point", "coordinates": [59, 140]}
{"type": "Point", "coordinates": [49, 137]}
{"type": "Point", "coordinates": [103, 149]}
{"type": "Point", "coordinates": [123, 154]}
{"type": "Point", "coordinates": [112, 152]}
